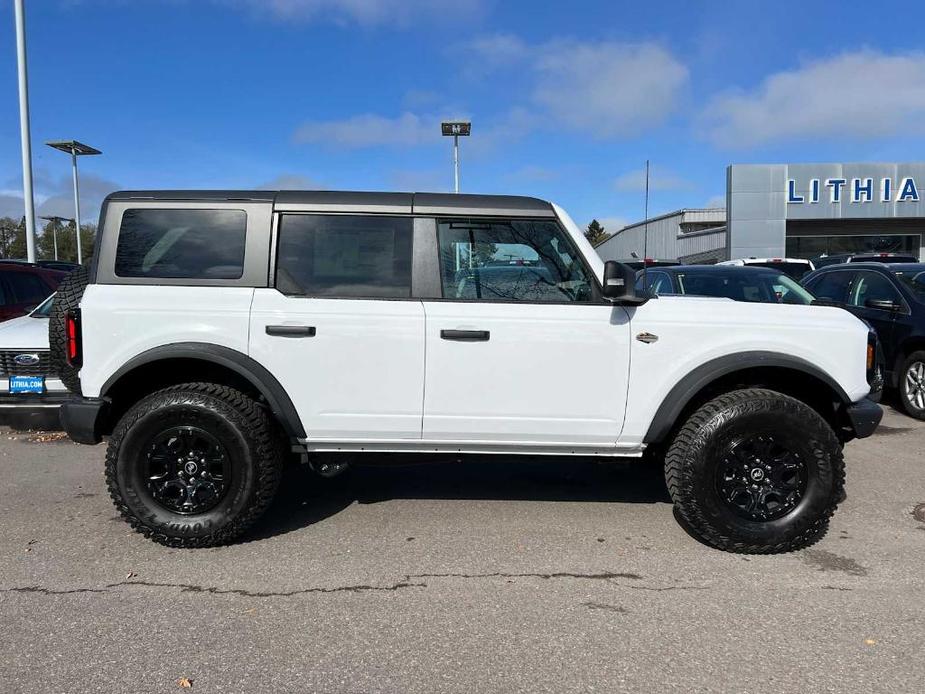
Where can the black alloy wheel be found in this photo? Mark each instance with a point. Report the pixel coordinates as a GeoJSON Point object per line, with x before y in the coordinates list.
{"type": "Point", "coordinates": [187, 470]}
{"type": "Point", "coordinates": [760, 478]}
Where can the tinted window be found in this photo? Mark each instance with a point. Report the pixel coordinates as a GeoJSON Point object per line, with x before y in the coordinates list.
{"type": "Point", "coordinates": [914, 279]}
{"type": "Point", "coordinates": [518, 260]}
{"type": "Point", "coordinates": [200, 244]}
{"type": "Point", "coordinates": [831, 285]}
{"type": "Point", "coordinates": [659, 282]}
{"type": "Point", "coordinates": [25, 288]}
{"type": "Point", "coordinates": [872, 286]}
{"type": "Point", "coordinates": [344, 256]}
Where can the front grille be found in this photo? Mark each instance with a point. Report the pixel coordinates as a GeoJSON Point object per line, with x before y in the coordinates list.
{"type": "Point", "coordinates": [9, 367]}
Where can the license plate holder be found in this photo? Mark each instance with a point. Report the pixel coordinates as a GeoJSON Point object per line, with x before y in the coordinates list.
{"type": "Point", "coordinates": [25, 385]}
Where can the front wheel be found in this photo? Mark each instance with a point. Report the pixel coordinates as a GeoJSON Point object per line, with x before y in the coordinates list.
{"type": "Point", "coordinates": [194, 465]}
{"type": "Point", "coordinates": [912, 385]}
{"type": "Point", "coordinates": [756, 472]}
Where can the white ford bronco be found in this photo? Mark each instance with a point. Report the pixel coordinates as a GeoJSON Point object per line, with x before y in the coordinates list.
{"type": "Point", "coordinates": [219, 333]}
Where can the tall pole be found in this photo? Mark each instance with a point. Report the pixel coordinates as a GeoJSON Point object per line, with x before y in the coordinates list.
{"type": "Point", "coordinates": [456, 162]}
{"type": "Point", "coordinates": [80, 259]}
{"type": "Point", "coordinates": [24, 129]}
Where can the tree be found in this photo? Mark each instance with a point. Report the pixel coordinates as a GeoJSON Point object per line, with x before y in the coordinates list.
{"type": "Point", "coordinates": [12, 238]}
{"type": "Point", "coordinates": [67, 242]}
{"type": "Point", "coordinates": [596, 233]}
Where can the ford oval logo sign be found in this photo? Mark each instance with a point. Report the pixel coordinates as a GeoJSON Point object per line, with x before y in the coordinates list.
{"type": "Point", "coordinates": [26, 359]}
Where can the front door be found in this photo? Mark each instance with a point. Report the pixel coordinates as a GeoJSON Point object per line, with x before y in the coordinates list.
{"type": "Point", "coordinates": [520, 348]}
{"type": "Point", "coordinates": [339, 329]}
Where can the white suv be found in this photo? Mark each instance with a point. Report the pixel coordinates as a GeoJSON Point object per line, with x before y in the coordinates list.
{"type": "Point", "coordinates": [218, 331]}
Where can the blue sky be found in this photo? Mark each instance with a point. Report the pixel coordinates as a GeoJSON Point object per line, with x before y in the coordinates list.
{"type": "Point", "coordinates": [567, 100]}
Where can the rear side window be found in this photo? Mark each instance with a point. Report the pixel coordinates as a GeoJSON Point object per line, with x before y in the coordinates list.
{"type": "Point", "coordinates": [344, 256]}
{"type": "Point", "coordinates": [26, 288]}
{"type": "Point", "coordinates": [188, 244]}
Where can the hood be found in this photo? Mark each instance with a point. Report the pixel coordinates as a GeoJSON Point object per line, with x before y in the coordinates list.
{"type": "Point", "coordinates": [24, 333]}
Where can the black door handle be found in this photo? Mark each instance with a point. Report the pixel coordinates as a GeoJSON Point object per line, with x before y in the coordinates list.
{"type": "Point", "coordinates": [291, 330]}
{"type": "Point", "coordinates": [465, 335]}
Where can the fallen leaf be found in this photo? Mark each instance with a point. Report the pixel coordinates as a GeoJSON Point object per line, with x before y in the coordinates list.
{"type": "Point", "coordinates": [185, 683]}
{"type": "Point", "coordinates": [130, 574]}
{"type": "Point", "coordinates": [870, 642]}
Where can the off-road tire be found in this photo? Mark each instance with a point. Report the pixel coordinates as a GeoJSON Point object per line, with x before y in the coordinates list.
{"type": "Point", "coordinates": [697, 449]}
{"type": "Point", "coordinates": [908, 405]}
{"type": "Point", "coordinates": [67, 298]}
{"type": "Point", "coordinates": [252, 443]}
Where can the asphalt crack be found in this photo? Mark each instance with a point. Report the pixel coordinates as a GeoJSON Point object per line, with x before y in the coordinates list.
{"type": "Point", "coordinates": [408, 581]}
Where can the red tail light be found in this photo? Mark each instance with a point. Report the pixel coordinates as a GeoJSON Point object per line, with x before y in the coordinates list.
{"type": "Point", "coordinates": [72, 337]}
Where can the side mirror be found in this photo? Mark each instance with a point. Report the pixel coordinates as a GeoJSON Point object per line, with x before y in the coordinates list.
{"type": "Point", "coordinates": [882, 304]}
{"type": "Point", "coordinates": [620, 284]}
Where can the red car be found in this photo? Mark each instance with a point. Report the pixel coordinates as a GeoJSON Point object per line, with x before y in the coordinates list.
{"type": "Point", "coordinates": [24, 286]}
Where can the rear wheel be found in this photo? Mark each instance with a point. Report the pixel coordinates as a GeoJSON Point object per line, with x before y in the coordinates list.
{"type": "Point", "coordinates": [912, 385]}
{"type": "Point", "coordinates": [757, 472]}
{"type": "Point", "coordinates": [194, 465]}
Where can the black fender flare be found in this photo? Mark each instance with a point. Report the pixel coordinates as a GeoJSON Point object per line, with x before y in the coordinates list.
{"type": "Point", "coordinates": [702, 376]}
{"type": "Point", "coordinates": [255, 373]}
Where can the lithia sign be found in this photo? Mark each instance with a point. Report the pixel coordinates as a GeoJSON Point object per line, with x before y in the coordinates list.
{"type": "Point", "coordinates": [854, 190]}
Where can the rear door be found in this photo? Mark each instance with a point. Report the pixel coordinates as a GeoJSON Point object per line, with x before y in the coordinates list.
{"type": "Point", "coordinates": [339, 329]}
{"type": "Point", "coordinates": [519, 347]}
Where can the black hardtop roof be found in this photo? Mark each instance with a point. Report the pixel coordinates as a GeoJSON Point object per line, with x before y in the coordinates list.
{"type": "Point", "coordinates": [346, 201]}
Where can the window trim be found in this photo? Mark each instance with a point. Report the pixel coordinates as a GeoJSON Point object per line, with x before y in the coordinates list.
{"type": "Point", "coordinates": [596, 294]}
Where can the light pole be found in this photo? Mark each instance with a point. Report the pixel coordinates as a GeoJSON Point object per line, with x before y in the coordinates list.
{"type": "Point", "coordinates": [55, 221]}
{"type": "Point", "coordinates": [24, 135]}
{"type": "Point", "coordinates": [75, 149]}
{"type": "Point", "coordinates": [456, 129]}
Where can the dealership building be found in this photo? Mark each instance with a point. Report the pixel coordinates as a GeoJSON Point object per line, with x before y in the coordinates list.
{"type": "Point", "coordinates": [790, 210]}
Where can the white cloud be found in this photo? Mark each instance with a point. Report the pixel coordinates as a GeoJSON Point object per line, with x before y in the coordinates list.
{"type": "Point", "coordinates": [291, 182]}
{"type": "Point", "coordinates": [865, 94]}
{"type": "Point", "coordinates": [606, 88]}
{"type": "Point", "coordinates": [56, 197]}
{"type": "Point", "coordinates": [716, 201]}
{"type": "Point", "coordinates": [635, 181]}
{"type": "Point", "coordinates": [371, 130]}
{"type": "Point", "coordinates": [364, 12]}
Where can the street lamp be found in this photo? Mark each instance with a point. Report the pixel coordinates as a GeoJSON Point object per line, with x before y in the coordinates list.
{"type": "Point", "coordinates": [456, 129]}
{"type": "Point", "coordinates": [55, 221]}
{"type": "Point", "coordinates": [75, 149]}
{"type": "Point", "coordinates": [24, 136]}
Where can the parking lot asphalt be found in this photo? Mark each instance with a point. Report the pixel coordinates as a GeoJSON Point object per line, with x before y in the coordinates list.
{"type": "Point", "coordinates": [497, 575]}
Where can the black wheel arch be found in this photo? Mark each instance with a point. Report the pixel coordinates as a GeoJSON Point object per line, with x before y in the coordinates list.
{"type": "Point", "coordinates": [785, 373]}
{"type": "Point", "coordinates": [176, 363]}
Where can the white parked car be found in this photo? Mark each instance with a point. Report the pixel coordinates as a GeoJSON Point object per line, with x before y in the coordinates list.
{"type": "Point", "coordinates": [216, 331]}
{"type": "Point", "coordinates": [27, 381]}
{"type": "Point", "coordinates": [793, 267]}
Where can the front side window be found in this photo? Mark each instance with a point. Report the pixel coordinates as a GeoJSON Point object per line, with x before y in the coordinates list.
{"type": "Point", "coordinates": [516, 260]}
{"type": "Point", "coordinates": [187, 244]}
{"type": "Point", "coordinates": [659, 283]}
{"type": "Point", "coordinates": [832, 286]}
{"type": "Point", "coordinates": [872, 286]}
{"type": "Point", "coordinates": [343, 256]}
{"type": "Point", "coordinates": [914, 281]}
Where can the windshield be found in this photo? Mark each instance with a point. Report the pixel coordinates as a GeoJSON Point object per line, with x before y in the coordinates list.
{"type": "Point", "coordinates": [914, 280]}
{"type": "Point", "coordinates": [745, 285]}
{"type": "Point", "coordinates": [794, 270]}
{"type": "Point", "coordinates": [43, 310]}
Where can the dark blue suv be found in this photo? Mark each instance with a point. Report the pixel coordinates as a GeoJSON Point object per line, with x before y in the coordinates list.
{"type": "Point", "coordinates": [891, 297]}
